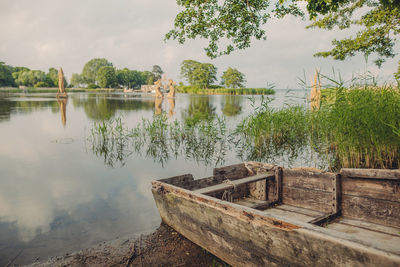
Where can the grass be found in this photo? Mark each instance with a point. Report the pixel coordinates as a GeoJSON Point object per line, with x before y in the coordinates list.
{"type": "Point", "coordinates": [225, 91]}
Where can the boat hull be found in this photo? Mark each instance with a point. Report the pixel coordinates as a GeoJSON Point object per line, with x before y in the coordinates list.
{"type": "Point", "coordinates": [242, 236]}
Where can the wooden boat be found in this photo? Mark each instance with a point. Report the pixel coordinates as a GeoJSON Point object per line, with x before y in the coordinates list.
{"type": "Point", "coordinates": [255, 214]}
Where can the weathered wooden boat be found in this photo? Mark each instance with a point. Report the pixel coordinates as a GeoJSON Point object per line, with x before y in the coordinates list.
{"type": "Point", "coordinates": [255, 214]}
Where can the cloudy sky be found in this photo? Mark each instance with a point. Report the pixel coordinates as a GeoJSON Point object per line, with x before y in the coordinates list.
{"type": "Point", "coordinates": [51, 33]}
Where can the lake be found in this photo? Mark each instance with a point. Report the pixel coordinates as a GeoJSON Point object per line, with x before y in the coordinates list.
{"type": "Point", "coordinates": [57, 195]}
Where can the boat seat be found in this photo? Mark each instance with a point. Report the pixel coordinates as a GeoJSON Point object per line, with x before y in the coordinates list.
{"type": "Point", "coordinates": [230, 184]}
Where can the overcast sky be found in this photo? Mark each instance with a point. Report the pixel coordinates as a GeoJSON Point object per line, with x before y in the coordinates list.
{"type": "Point", "coordinates": [41, 34]}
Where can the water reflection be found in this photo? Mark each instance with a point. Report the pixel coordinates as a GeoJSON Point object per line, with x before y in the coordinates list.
{"type": "Point", "coordinates": [57, 198]}
{"type": "Point", "coordinates": [104, 106]}
{"type": "Point", "coordinates": [158, 105]}
{"type": "Point", "coordinates": [232, 105]}
{"type": "Point", "coordinates": [62, 102]}
{"type": "Point", "coordinates": [171, 102]}
{"type": "Point", "coordinates": [199, 108]}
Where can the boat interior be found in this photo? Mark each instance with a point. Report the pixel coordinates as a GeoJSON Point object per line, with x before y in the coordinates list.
{"type": "Point", "coordinates": [363, 204]}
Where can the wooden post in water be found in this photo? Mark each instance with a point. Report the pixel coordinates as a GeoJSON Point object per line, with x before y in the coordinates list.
{"type": "Point", "coordinates": [61, 87]}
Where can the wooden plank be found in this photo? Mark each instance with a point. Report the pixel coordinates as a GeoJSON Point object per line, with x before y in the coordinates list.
{"type": "Point", "coordinates": [309, 199]}
{"type": "Point", "coordinates": [336, 197]}
{"type": "Point", "coordinates": [371, 226]}
{"type": "Point", "coordinates": [371, 210]}
{"type": "Point", "coordinates": [183, 181]}
{"type": "Point", "coordinates": [371, 173]}
{"type": "Point", "coordinates": [278, 185]}
{"type": "Point", "coordinates": [232, 172]}
{"type": "Point", "coordinates": [308, 212]}
{"type": "Point", "coordinates": [258, 190]}
{"type": "Point", "coordinates": [231, 184]}
{"type": "Point", "coordinates": [308, 179]}
{"type": "Point", "coordinates": [378, 189]}
{"type": "Point", "coordinates": [254, 203]}
{"type": "Point", "coordinates": [385, 242]}
{"type": "Point", "coordinates": [205, 182]}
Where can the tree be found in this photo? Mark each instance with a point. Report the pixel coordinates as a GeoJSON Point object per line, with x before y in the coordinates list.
{"type": "Point", "coordinates": [198, 74]}
{"type": "Point", "coordinates": [147, 77]}
{"type": "Point", "coordinates": [157, 72]}
{"type": "Point", "coordinates": [232, 78]}
{"type": "Point", "coordinates": [76, 80]}
{"type": "Point", "coordinates": [30, 78]}
{"type": "Point", "coordinates": [91, 68]}
{"type": "Point", "coordinates": [129, 78]}
{"type": "Point", "coordinates": [106, 77]}
{"type": "Point", "coordinates": [6, 78]}
{"type": "Point", "coordinates": [239, 21]}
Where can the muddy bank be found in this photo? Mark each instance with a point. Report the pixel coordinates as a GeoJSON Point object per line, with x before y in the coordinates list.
{"type": "Point", "coordinates": [163, 247]}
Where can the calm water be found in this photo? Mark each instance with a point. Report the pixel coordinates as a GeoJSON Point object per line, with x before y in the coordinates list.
{"type": "Point", "coordinates": [57, 196]}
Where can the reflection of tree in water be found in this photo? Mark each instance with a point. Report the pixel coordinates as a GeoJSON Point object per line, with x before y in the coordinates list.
{"type": "Point", "coordinates": [199, 108]}
{"type": "Point", "coordinates": [8, 107]}
{"type": "Point", "coordinates": [232, 105]}
{"type": "Point", "coordinates": [104, 106]}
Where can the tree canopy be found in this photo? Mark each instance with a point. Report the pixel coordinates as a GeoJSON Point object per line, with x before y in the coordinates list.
{"type": "Point", "coordinates": [232, 78]}
{"type": "Point", "coordinates": [107, 77]}
{"type": "Point", "coordinates": [157, 72]}
{"type": "Point", "coordinates": [198, 74]}
{"type": "Point", "coordinates": [89, 72]}
{"type": "Point", "coordinates": [238, 21]}
{"type": "Point", "coordinates": [6, 78]}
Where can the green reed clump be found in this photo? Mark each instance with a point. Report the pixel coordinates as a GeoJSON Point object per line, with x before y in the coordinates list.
{"type": "Point", "coordinates": [361, 127]}
{"type": "Point", "coordinates": [270, 132]}
{"type": "Point", "coordinates": [108, 139]}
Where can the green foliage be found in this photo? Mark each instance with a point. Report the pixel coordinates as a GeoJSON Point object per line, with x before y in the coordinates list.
{"type": "Point", "coordinates": [91, 68]}
{"type": "Point", "coordinates": [232, 78]}
{"type": "Point", "coordinates": [240, 21]}
{"type": "Point", "coordinates": [377, 24]}
{"type": "Point", "coordinates": [129, 78]}
{"type": "Point", "coordinates": [31, 78]}
{"type": "Point", "coordinates": [157, 72]}
{"type": "Point", "coordinates": [92, 86]}
{"type": "Point", "coordinates": [147, 77]}
{"type": "Point", "coordinates": [106, 77]}
{"type": "Point", "coordinates": [198, 74]}
{"type": "Point", "coordinates": [236, 20]}
{"type": "Point", "coordinates": [41, 84]}
{"type": "Point", "coordinates": [6, 78]}
{"type": "Point", "coordinates": [76, 80]}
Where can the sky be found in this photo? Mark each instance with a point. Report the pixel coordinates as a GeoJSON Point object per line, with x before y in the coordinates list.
{"type": "Point", "coordinates": [130, 33]}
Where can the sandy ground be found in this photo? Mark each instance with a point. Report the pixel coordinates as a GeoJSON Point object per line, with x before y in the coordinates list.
{"type": "Point", "coordinates": [163, 247]}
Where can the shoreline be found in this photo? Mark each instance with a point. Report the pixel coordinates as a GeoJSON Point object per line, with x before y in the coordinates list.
{"type": "Point", "coordinates": [162, 247]}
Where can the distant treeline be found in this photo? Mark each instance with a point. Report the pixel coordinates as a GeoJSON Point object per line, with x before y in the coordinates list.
{"type": "Point", "coordinates": [23, 76]}
{"type": "Point", "coordinates": [219, 90]}
{"type": "Point", "coordinates": [96, 73]}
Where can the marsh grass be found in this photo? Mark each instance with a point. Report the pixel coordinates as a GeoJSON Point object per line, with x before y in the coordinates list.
{"type": "Point", "coordinates": [201, 140]}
